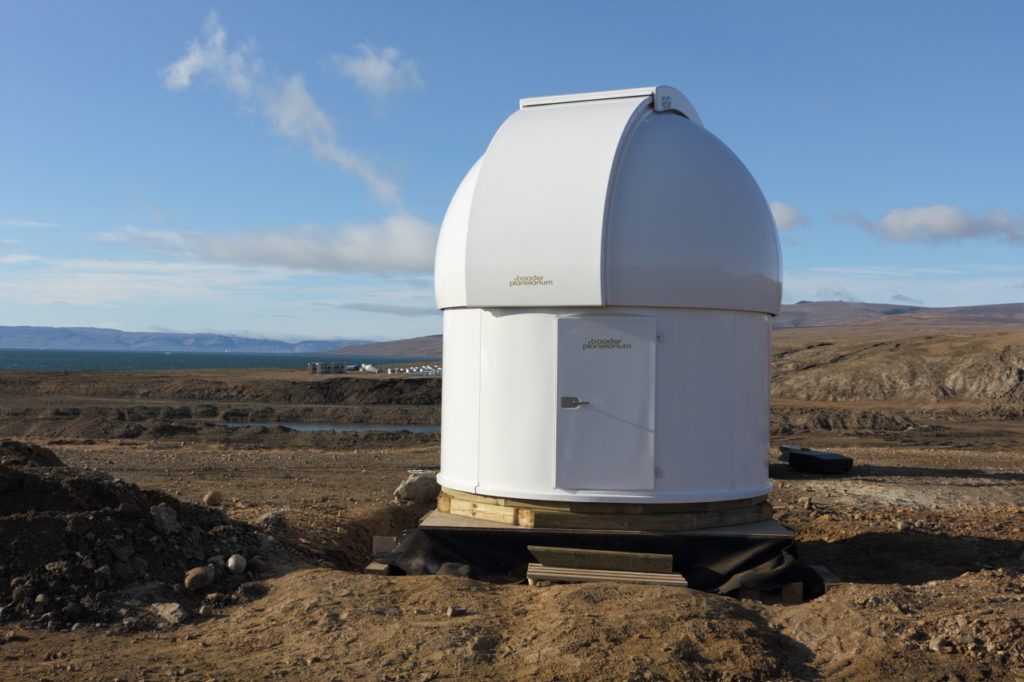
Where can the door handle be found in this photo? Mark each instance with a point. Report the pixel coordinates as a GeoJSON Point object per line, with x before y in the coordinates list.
{"type": "Point", "coordinates": [571, 401]}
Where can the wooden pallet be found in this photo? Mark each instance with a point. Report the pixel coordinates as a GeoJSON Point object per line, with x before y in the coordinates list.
{"type": "Point", "coordinates": [603, 516]}
{"type": "Point", "coordinates": [769, 528]}
{"type": "Point", "coordinates": [537, 573]}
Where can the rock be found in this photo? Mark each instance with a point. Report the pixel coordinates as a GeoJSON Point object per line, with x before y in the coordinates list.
{"type": "Point", "coordinates": [123, 552]}
{"type": "Point", "coordinates": [213, 498]}
{"type": "Point", "coordinates": [205, 611]}
{"type": "Point", "coordinates": [77, 525]}
{"type": "Point", "coordinates": [200, 577]}
{"type": "Point", "coordinates": [805, 502]}
{"type": "Point", "coordinates": [123, 570]}
{"type": "Point", "coordinates": [454, 611]}
{"type": "Point", "coordinates": [164, 518]}
{"type": "Point", "coordinates": [272, 517]}
{"type": "Point", "coordinates": [259, 566]}
{"type": "Point", "coordinates": [939, 644]}
{"type": "Point", "coordinates": [903, 526]}
{"type": "Point", "coordinates": [418, 489]}
{"type": "Point", "coordinates": [171, 612]}
{"type": "Point", "coordinates": [236, 564]}
{"type": "Point", "coordinates": [453, 568]}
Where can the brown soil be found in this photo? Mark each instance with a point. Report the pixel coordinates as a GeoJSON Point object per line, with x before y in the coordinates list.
{"type": "Point", "coordinates": [926, 532]}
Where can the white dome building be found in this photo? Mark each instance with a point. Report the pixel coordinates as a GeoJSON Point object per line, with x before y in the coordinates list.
{"type": "Point", "coordinates": [608, 271]}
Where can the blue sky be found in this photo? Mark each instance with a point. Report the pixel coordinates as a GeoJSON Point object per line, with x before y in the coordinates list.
{"type": "Point", "coordinates": [280, 170]}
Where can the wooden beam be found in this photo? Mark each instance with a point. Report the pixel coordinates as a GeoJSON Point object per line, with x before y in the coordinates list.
{"type": "Point", "coordinates": [570, 557]}
{"type": "Point", "coordinates": [660, 522]}
{"type": "Point", "coordinates": [793, 593]}
{"type": "Point", "coordinates": [827, 577]}
{"type": "Point", "coordinates": [377, 568]}
{"type": "Point", "coordinates": [537, 572]}
{"type": "Point", "coordinates": [480, 510]}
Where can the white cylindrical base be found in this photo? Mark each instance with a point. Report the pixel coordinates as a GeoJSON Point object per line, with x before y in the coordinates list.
{"type": "Point", "coordinates": [506, 432]}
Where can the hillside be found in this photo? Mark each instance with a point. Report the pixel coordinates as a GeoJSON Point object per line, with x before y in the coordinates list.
{"type": "Point", "coordinates": [808, 321]}
{"type": "Point", "coordinates": [421, 346]}
{"type": "Point", "coordinates": [94, 338]}
{"type": "Point", "coordinates": [955, 367]}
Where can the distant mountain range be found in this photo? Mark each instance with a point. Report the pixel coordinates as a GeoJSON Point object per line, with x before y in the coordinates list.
{"type": "Point", "coordinates": [421, 347]}
{"type": "Point", "coordinates": [798, 321]}
{"type": "Point", "coordinates": [825, 313]}
{"type": "Point", "coordinates": [93, 338]}
{"type": "Point", "coordinates": [807, 319]}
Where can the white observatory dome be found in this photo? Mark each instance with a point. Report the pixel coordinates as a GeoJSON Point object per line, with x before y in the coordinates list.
{"type": "Point", "coordinates": [607, 271]}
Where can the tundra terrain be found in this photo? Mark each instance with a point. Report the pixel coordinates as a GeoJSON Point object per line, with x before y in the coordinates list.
{"type": "Point", "coordinates": [926, 533]}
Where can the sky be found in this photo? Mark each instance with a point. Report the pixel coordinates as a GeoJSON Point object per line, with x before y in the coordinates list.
{"type": "Point", "coordinates": [281, 169]}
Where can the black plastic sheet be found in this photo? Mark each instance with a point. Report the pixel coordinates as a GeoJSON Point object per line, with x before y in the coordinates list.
{"type": "Point", "coordinates": [709, 562]}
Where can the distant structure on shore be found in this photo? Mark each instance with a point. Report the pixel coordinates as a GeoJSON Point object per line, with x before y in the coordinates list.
{"type": "Point", "coordinates": [418, 371]}
{"type": "Point", "coordinates": [330, 367]}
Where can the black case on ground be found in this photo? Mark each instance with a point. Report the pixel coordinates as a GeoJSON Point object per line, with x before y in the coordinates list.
{"type": "Point", "coordinates": [816, 461]}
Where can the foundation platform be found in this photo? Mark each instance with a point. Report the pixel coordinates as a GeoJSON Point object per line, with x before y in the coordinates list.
{"type": "Point", "coordinates": [506, 512]}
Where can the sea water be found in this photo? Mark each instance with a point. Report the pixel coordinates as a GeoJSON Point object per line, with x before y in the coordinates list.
{"type": "Point", "coordinates": [30, 359]}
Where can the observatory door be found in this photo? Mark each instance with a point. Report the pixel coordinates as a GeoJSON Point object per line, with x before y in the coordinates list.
{"type": "Point", "coordinates": [605, 403]}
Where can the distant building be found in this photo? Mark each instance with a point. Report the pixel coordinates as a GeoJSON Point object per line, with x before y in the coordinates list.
{"type": "Point", "coordinates": [418, 371]}
{"type": "Point", "coordinates": [327, 368]}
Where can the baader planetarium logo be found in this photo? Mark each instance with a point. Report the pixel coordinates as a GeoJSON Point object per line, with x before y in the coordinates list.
{"type": "Point", "coordinates": [609, 344]}
{"type": "Point", "coordinates": [530, 281]}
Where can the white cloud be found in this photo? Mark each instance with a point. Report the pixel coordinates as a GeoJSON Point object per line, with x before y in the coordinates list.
{"type": "Point", "coordinates": [399, 243]}
{"type": "Point", "coordinates": [232, 70]}
{"type": "Point", "coordinates": [16, 259]}
{"type": "Point", "coordinates": [863, 271]}
{"type": "Point", "coordinates": [834, 292]}
{"type": "Point", "coordinates": [9, 222]}
{"type": "Point", "coordinates": [286, 103]}
{"type": "Point", "coordinates": [161, 241]}
{"type": "Point", "coordinates": [969, 285]}
{"type": "Point", "coordinates": [400, 310]}
{"type": "Point", "coordinates": [89, 281]}
{"type": "Point", "coordinates": [379, 70]}
{"type": "Point", "coordinates": [786, 217]}
{"type": "Point", "coordinates": [940, 223]}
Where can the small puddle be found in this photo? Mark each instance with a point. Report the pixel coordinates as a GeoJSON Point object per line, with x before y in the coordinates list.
{"type": "Point", "coordinates": [413, 428]}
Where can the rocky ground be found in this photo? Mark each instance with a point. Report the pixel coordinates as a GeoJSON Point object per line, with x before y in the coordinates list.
{"type": "Point", "coordinates": [926, 533]}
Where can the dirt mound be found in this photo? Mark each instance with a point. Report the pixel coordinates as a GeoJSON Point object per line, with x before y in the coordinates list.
{"type": "Point", "coordinates": [13, 452]}
{"type": "Point", "coordinates": [786, 421]}
{"type": "Point", "coordinates": [85, 547]}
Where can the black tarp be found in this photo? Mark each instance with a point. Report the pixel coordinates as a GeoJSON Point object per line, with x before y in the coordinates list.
{"type": "Point", "coordinates": [709, 562]}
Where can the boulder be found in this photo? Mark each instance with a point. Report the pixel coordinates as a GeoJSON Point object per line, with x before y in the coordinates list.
{"type": "Point", "coordinates": [199, 577]}
{"type": "Point", "coordinates": [418, 489]}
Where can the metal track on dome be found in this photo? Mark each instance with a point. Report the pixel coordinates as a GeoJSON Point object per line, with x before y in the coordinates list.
{"type": "Point", "coordinates": [662, 97]}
